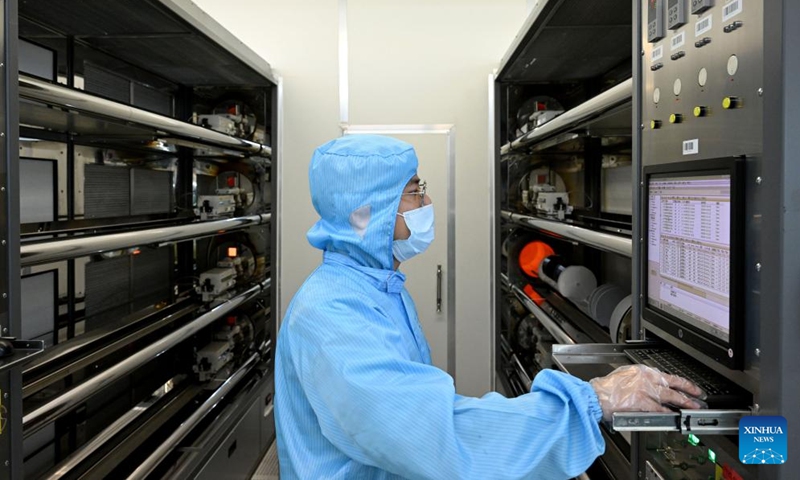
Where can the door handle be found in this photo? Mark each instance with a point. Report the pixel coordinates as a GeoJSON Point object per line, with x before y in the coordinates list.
{"type": "Point", "coordinates": [438, 289]}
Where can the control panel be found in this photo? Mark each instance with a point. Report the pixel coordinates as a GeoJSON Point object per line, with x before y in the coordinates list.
{"type": "Point", "coordinates": [702, 101]}
{"type": "Point", "coordinates": [702, 79]}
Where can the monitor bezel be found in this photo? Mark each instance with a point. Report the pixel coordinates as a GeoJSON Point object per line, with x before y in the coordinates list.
{"type": "Point", "coordinates": [731, 353]}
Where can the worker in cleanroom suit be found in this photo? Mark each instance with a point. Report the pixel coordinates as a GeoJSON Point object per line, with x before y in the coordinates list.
{"type": "Point", "coordinates": [356, 394]}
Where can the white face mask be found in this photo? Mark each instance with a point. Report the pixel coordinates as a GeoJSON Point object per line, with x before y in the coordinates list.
{"type": "Point", "coordinates": [420, 222]}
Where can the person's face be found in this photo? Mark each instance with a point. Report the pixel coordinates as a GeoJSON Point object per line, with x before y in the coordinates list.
{"type": "Point", "coordinates": [410, 199]}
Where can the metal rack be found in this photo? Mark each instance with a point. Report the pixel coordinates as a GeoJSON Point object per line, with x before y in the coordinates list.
{"type": "Point", "coordinates": [124, 81]}
{"type": "Point", "coordinates": [590, 76]}
{"type": "Point", "coordinates": [756, 130]}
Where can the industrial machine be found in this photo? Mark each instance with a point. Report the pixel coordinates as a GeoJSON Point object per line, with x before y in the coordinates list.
{"type": "Point", "coordinates": [672, 125]}
{"type": "Point", "coordinates": [139, 243]}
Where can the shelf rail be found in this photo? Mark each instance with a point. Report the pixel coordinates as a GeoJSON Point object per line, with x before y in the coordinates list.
{"type": "Point", "coordinates": [547, 322]}
{"type": "Point", "coordinates": [76, 100]}
{"type": "Point", "coordinates": [593, 107]}
{"type": "Point", "coordinates": [151, 462]}
{"type": "Point", "coordinates": [592, 238]}
{"type": "Point", "coordinates": [74, 247]}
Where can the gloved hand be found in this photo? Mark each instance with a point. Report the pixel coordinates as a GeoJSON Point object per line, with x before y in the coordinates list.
{"type": "Point", "coordinates": [639, 388]}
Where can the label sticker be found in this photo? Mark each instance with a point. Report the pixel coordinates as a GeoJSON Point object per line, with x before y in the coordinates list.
{"type": "Point", "coordinates": [731, 9]}
{"type": "Point", "coordinates": [658, 52]}
{"type": "Point", "coordinates": [702, 26]}
{"type": "Point", "coordinates": [691, 147]}
{"type": "Point", "coordinates": [678, 41]}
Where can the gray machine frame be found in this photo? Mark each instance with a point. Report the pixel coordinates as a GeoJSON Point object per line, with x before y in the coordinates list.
{"type": "Point", "coordinates": [780, 264]}
{"type": "Point", "coordinates": [766, 135]}
{"type": "Point", "coordinates": [184, 135]}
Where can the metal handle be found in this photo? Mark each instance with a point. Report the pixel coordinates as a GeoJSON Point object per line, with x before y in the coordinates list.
{"type": "Point", "coordinates": [438, 289]}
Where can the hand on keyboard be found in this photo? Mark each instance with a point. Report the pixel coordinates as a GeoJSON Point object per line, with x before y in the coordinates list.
{"type": "Point", "coordinates": [639, 388]}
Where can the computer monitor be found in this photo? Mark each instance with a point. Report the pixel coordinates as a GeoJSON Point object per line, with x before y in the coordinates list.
{"type": "Point", "coordinates": [693, 223]}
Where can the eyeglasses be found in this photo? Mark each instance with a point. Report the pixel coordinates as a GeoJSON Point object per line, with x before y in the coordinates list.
{"type": "Point", "coordinates": [421, 191]}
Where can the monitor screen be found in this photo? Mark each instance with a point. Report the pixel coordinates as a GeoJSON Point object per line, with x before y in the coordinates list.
{"type": "Point", "coordinates": [692, 221]}
{"type": "Point", "coordinates": [689, 250]}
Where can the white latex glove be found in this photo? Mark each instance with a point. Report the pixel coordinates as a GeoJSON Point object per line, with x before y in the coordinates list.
{"type": "Point", "coordinates": [639, 388]}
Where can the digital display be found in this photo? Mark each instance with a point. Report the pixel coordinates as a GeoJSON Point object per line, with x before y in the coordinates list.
{"type": "Point", "coordinates": [655, 20]}
{"type": "Point", "coordinates": [689, 250]}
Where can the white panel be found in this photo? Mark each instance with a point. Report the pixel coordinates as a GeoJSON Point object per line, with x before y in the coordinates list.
{"type": "Point", "coordinates": [36, 60]}
{"type": "Point", "coordinates": [36, 183]}
{"type": "Point", "coordinates": [617, 190]}
{"type": "Point", "coordinates": [38, 305]}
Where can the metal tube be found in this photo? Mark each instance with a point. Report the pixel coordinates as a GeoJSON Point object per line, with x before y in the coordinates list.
{"type": "Point", "coordinates": [56, 250]}
{"type": "Point", "coordinates": [101, 438]}
{"type": "Point", "coordinates": [599, 240]}
{"type": "Point", "coordinates": [526, 379]}
{"type": "Point", "coordinates": [557, 332]}
{"type": "Point", "coordinates": [48, 412]}
{"type": "Point", "coordinates": [147, 466]}
{"type": "Point", "coordinates": [41, 91]}
{"type": "Point", "coordinates": [87, 359]}
{"type": "Point", "coordinates": [591, 108]}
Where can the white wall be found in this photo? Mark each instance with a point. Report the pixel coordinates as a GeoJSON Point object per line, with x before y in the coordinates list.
{"type": "Point", "coordinates": [410, 62]}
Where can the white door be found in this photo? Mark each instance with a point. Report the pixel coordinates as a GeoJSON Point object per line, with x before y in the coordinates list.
{"type": "Point", "coordinates": [427, 274]}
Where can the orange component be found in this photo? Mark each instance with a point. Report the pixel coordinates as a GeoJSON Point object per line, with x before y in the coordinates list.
{"type": "Point", "coordinates": [231, 181]}
{"type": "Point", "coordinates": [532, 256]}
{"type": "Point", "coordinates": [232, 252]}
{"type": "Point", "coordinates": [530, 292]}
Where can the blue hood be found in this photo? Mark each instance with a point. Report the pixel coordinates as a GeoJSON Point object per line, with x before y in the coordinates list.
{"type": "Point", "coordinates": [356, 182]}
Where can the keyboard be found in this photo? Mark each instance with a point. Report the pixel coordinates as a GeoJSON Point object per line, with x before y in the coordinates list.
{"type": "Point", "coordinates": [722, 393]}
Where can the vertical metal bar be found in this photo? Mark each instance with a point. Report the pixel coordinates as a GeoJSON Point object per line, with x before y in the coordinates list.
{"type": "Point", "coordinates": [638, 263]}
{"type": "Point", "coordinates": [494, 228]}
{"type": "Point", "coordinates": [70, 61]}
{"type": "Point", "coordinates": [184, 184]}
{"type": "Point", "coordinates": [593, 171]}
{"type": "Point", "coordinates": [780, 330]}
{"type": "Point", "coordinates": [71, 191]}
{"type": "Point", "coordinates": [276, 137]}
{"type": "Point", "coordinates": [11, 382]}
{"type": "Point", "coordinates": [438, 289]}
{"type": "Point", "coordinates": [344, 90]}
{"type": "Point", "coordinates": [70, 301]}
{"type": "Point", "coordinates": [451, 251]}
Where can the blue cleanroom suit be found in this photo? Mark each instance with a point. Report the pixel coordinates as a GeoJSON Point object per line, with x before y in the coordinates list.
{"type": "Point", "coordinates": [356, 394]}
